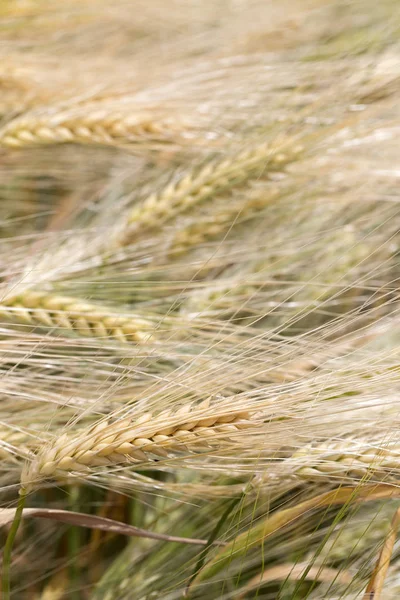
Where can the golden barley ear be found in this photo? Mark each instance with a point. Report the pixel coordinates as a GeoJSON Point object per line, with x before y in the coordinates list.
{"type": "Point", "coordinates": [71, 315]}
{"type": "Point", "coordinates": [348, 460]}
{"type": "Point", "coordinates": [205, 183]}
{"type": "Point", "coordinates": [91, 125]}
{"type": "Point", "coordinates": [134, 441]}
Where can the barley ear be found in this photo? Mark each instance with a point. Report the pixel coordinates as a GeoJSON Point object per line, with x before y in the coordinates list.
{"type": "Point", "coordinates": [201, 184]}
{"type": "Point", "coordinates": [38, 309]}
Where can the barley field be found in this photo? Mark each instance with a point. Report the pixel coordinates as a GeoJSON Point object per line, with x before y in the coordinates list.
{"type": "Point", "coordinates": [199, 299]}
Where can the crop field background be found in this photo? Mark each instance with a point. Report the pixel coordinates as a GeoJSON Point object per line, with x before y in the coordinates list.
{"type": "Point", "coordinates": [199, 299]}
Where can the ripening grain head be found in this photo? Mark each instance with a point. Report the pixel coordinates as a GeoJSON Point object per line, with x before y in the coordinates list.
{"type": "Point", "coordinates": [133, 441]}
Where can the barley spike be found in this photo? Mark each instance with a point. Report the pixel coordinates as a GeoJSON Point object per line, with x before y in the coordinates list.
{"type": "Point", "coordinates": [40, 309]}
{"type": "Point", "coordinates": [133, 441]}
{"type": "Point", "coordinates": [202, 184]}
{"type": "Point", "coordinates": [348, 459]}
{"type": "Point", "coordinates": [93, 127]}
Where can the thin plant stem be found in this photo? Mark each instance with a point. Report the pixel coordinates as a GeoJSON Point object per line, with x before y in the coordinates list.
{"type": "Point", "coordinates": [74, 544]}
{"type": "Point", "coordinates": [9, 546]}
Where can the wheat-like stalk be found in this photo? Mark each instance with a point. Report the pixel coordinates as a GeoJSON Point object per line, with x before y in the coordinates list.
{"type": "Point", "coordinates": [200, 184]}
{"type": "Point", "coordinates": [134, 441]}
{"type": "Point", "coordinates": [40, 309]}
{"type": "Point", "coordinates": [348, 459]}
{"type": "Point", "coordinates": [219, 221]}
{"type": "Point", "coordinates": [91, 125]}
{"type": "Point", "coordinates": [14, 443]}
